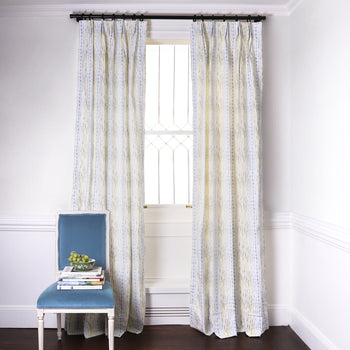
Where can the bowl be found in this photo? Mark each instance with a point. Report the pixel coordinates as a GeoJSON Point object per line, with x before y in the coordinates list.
{"type": "Point", "coordinates": [83, 266]}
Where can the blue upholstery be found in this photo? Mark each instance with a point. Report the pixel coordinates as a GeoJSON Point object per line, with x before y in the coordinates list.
{"type": "Point", "coordinates": [84, 233]}
{"type": "Point", "coordinates": [51, 298]}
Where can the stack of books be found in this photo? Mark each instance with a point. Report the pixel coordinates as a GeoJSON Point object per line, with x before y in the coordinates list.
{"type": "Point", "coordinates": [69, 279]}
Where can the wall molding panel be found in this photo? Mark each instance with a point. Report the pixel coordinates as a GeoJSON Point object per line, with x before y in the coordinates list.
{"type": "Point", "coordinates": [167, 300]}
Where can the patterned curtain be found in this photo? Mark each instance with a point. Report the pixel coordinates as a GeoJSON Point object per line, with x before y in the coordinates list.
{"type": "Point", "coordinates": [227, 283]}
{"type": "Point", "coordinates": [109, 155]}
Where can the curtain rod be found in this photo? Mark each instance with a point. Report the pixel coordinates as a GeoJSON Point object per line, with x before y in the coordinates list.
{"type": "Point", "coordinates": [82, 16]}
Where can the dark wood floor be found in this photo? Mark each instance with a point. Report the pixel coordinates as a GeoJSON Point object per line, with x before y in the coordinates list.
{"type": "Point", "coordinates": [154, 338]}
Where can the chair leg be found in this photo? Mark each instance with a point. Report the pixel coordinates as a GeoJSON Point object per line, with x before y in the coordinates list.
{"type": "Point", "coordinates": [111, 330]}
{"type": "Point", "coordinates": [59, 328]}
{"type": "Point", "coordinates": [40, 314]}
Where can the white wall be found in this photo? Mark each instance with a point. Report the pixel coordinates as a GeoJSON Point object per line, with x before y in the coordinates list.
{"type": "Point", "coordinates": [38, 63]}
{"type": "Point", "coordinates": [320, 109]}
{"type": "Point", "coordinates": [320, 171]}
{"type": "Point", "coordinates": [276, 122]}
{"type": "Point", "coordinates": [38, 60]}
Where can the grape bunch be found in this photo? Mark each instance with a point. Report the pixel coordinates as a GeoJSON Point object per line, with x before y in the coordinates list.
{"type": "Point", "coordinates": [75, 257]}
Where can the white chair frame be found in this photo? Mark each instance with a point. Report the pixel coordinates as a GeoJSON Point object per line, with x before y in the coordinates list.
{"type": "Point", "coordinates": [110, 312]}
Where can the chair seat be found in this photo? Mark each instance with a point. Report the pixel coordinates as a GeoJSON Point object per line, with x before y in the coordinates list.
{"type": "Point", "coordinates": [51, 298]}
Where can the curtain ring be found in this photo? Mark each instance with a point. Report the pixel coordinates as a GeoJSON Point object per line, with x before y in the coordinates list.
{"type": "Point", "coordinates": [212, 18]}
{"type": "Point", "coordinates": [113, 16]}
{"type": "Point", "coordinates": [90, 16]}
{"type": "Point", "coordinates": [249, 18]}
{"type": "Point", "coordinates": [224, 18]}
{"type": "Point", "coordinates": [202, 18]}
{"type": "Point", "coordinates": [123, 17]}
{"type": "Point", "coordinates": [134, 17]}
{"type": "Point", "coordinates": [194, 18]}
{"type": "Point", "coordinates": [141, 17]}
{"type": "Point", "coordinates": [103, 16]}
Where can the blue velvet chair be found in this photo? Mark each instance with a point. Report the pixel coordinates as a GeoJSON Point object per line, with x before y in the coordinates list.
{"type": "Point", "coordinates": [87, 233]}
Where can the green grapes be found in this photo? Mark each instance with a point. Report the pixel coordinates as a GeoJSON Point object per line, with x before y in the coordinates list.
{"type": "Point", "coordinates": [76, 258]}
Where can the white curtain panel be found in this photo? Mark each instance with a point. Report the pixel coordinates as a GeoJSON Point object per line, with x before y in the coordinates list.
{"type": "Point", "coordinates": [109, 156]}
{"type": "Point", "coordinates": [227, 283]}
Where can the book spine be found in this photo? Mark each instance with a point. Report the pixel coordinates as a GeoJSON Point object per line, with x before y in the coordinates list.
{"type": "Point", "coordinates": [81, 279]}
{"type": "Point", "coordinates": [78, 287]}
{"type": "Point", "coordinates": [80, 283]}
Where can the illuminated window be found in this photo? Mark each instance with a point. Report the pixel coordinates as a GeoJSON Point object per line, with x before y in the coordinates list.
{"type": "Point", "coordinates": [168, 123]}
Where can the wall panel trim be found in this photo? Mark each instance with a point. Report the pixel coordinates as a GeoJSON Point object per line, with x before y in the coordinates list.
{"type": "Point", "coordinates": [325, 232]}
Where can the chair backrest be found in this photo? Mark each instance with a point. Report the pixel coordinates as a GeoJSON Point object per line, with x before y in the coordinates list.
{"type": "Point", "coordinates": [84, 232]}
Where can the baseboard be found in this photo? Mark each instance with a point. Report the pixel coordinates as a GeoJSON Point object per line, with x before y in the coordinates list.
{"type": "Point", "coordinates": [278, 314]}
{"type": "Point", "coordinates": [309, 333]}
{"type": "Point", "coordinates": [24, 316]}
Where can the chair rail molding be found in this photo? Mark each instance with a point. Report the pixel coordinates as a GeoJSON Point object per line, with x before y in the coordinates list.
{"type": "Point", "coordinates": [323, 231]}
{"type": "Point", "coordinates": [34, 223]}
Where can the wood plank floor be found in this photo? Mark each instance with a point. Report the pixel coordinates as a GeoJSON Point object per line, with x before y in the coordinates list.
{"type": "Point", "coordinates": [154, 338]}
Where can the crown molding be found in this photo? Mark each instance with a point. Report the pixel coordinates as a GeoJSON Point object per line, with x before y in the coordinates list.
{"type": "Point", "coordinates": [292, 6]}
{"type": "Point", "coordinates": [46, 10]}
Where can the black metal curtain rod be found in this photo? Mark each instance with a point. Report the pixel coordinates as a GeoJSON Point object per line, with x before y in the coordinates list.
{"type": "Point", "coordinates": [82, 16]}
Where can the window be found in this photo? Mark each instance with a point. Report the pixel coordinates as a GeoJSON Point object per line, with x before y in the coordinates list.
{"type": "Point", "coordinates": [168, 125]}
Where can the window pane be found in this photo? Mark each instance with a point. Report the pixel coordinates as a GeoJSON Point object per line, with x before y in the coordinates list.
{"type": "Point", "coordinates": [152, 79]}
{"type": "Point", "coordinates": [166, 100]}
{"type": "Point", "coordinates": [151, 172]}
{"type": "Point", "coordinates": [181, 175]}
{"type": "Point", "coordinates": [181, 86]}
{"type": "Point", "coordinates": [166, 184]}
